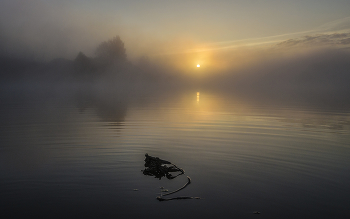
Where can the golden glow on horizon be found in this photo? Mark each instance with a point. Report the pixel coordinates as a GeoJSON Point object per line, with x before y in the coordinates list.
{"type": "Point", "coordinates": [204, 61]}
{"type": "Point", "coordinates": [198, 97]}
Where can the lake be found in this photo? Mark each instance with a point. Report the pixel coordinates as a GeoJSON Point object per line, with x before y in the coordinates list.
{"type": "Point", "coordinates": [78, 152]}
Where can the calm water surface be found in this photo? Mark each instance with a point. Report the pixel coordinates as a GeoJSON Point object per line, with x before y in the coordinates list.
{"type": "Point", "coordinates": [81, 156]}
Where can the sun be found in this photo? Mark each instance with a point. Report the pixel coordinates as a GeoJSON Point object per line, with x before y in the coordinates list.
{"type": "Point", "coordinates": [198, 65]}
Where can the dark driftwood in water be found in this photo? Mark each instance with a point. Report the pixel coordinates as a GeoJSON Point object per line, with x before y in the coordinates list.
{"type": "Point", "coordinates": [160, 168]}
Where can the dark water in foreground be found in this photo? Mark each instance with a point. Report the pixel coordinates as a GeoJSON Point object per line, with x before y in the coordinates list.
{"type": "Point", "coordinates": [80, 156]}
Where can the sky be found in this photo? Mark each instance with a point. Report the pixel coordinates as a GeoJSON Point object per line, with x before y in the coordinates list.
{"type": "Point", "coordinates": [180, 33]}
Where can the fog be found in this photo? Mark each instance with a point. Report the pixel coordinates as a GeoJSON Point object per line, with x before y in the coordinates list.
{"type": "Point", "coordinates": [41, 48]}
{"type": "Point", "coordinates": [315, 74]}
{"type": "Point", "coordinates": [309, 74]}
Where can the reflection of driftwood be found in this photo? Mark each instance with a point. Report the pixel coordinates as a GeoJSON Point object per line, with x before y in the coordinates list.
{"type": "Point", "coordinates": [188, 182]}
{"type": "Point", "coordinates": [160, 198]}
{"type": "Point", "coordinates": [180, 197]}
{"type": "Point", "coordinates": [160, 168]}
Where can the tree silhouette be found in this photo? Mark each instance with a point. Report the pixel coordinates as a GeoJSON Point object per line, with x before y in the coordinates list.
{"type": "Point", "coordinates": [111, 51]}
{"type": "Point", "coordinates": [82, 63]}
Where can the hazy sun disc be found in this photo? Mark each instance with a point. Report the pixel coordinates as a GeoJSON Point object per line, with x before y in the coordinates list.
{"type": "Point", "coordinates": [198, 65]}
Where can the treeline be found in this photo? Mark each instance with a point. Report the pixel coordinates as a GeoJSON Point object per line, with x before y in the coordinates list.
{"type": "Point", "coordinates": [109, 58]}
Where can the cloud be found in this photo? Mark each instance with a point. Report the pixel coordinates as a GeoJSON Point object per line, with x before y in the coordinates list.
{"type": "Point", "coordinates": [339, 25]}
{"type": "Point", "coordinates": [336, 33]}
{"type": "Point", "coordinates": [345, 41]}
{"type": "Point", "coordinates": [335, 39]}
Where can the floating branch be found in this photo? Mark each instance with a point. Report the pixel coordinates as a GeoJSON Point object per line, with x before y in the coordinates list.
{"type": "Point", "coordinates": [161, 168]}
